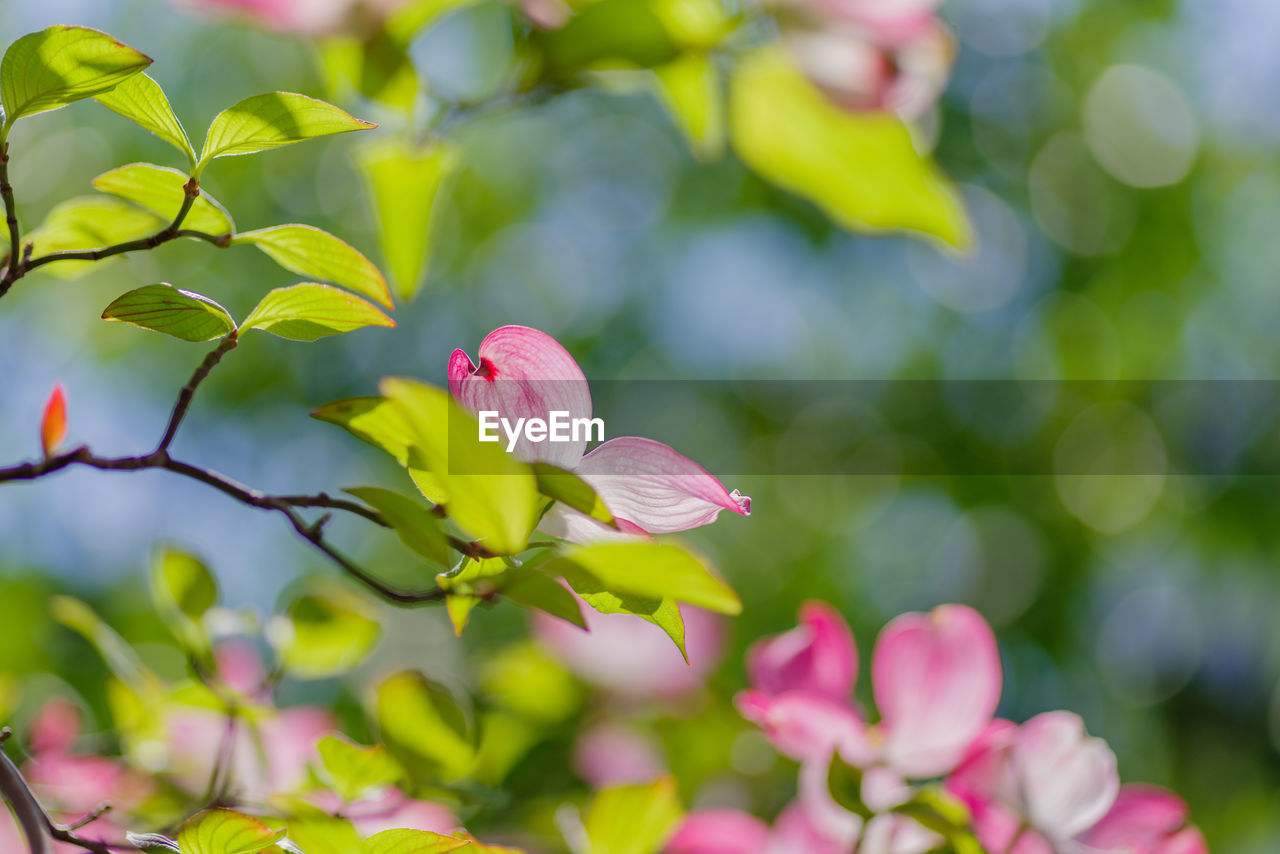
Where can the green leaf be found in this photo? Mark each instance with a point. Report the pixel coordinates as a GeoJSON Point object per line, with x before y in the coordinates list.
{"type": "Point", "coordinates": [566, 487]}
{"type": "Point", "coordinates": [663, 613]}
{"type": "Point", "coordinates": [271, 120]}
{"type": "Point", "coordinates": [633, 819]}
{"type": "Point", "coordinates": [164, 308]}
{"type": "Point", "coordinates": [160, 190]}
{"type": "Point", "coordinates": [317, 833]}
{"type": "Point", "coordinates": [417, 526]}
{"type": "Point", "coordinates": [422, 725]}
{"type": "Point", "coordinates": [222, 831]}
{"type": "Point", "coordinates": [141, 100]}
{"type": "Point", "coordinates": [491, 494]}
{"type": "Point", "coordinates": [651, 570]}
{"type": "Point", "coordinates": [355, 769]}
{"type": "Point", "coordinates": [375, 420]}
{"type": "Point", "coordinates": [404, 841]}
{"type": "Point", "coordinates": [608, 34]}
{"type": "Point", "coordinates": [844, 781]}
{"type": "Point", "coordinates": [89, 222]}
{"type": "Point", "coordinates": [690, 89]}
{"type": "Point", "coordinates": [459, 606]}
{"type": "Point", "coordinates": [323, 635]}
{"type": "Point", "coordinates": [404, 183]}
{"type": "Point", "coordinates": [121, 658]}
{"type": "Point", "coordinates": [310, 252]}
{"type": "Point", "coordinates": [181, 586]}
{"type": "Point", "coordinates": [56, 66]}
{"type": "Point", "coordinates": [309, 311]}
{"type": "Point", "coordinates": [532, 589]}
{"type": "Point", "coordinates": [525, 679]}
{"type": "Point", "coordinates": [862, 169]}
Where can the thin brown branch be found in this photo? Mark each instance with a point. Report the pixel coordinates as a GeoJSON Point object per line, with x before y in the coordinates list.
{"type": "Point", "coordinates": [189, 390]}
{"type": "Point", "coordinates": [14, 263]}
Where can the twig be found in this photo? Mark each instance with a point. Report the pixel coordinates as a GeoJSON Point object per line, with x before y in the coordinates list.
{"type": "Point", "coordinates": [189, 390]}
{"type": "Point", "coordinates": [28, 811]}
{"type": "Point", "coordinates": [11, 216]}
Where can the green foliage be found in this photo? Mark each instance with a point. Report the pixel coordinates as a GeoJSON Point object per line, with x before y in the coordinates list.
{"type": "Point", "coordinates": [59, 65]}
{"type": "Point", "coordinates": [310, 311]}
{"type": "Point", "coordinates": [271, 120]}
{"type": "Point", "coordinates": [532, 589]}
{"type": "Point", "coordinates": [308, 251]}
{"type": "Point", "coordinates": [159, 189]}
{"type": "Point", "coordinates": [417, 526]}
{"type": "Point", "coordinates": [663, 612]}
{"type": "Point", "coordinates": [844, 782]}
{"type": "Point", "coordinates": [183, 590]}
{"type": "Point", "coordinates": [571, 490]}
{"type": "Point", "coordinates": [610, 33]}
{"type": "Point", "coordinates": [221, 831]}
{"type": "Point", "coordinates": [404, 183]}
{"type": "Point", "coordinates": [354, 769]}
{"type": "Point", "coordinates": [141, 100]}
{"type": "Point", "coordinates": [89, 222]}
{"type": "Point", "coordinates": [633, 819]}
{"type": "Point", "coordinates": [423, 726]}
{"type": "Point", "coordinates": [691, 89]}
{"type": "Point", "coordinates": [164, 308]}
{"type": "Point", "coordinates": [323, 634]}
{"type": "Point", "coordinates": [375, 420]}
{"type": "Point", "coordinates": [650, 570]}
{"type": "Point", "coordinates": [405, 841]}
{"type": "Point", "coordinates": [862, 169]}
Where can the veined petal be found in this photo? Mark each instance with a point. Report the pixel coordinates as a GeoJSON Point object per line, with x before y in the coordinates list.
{"type": "Point", "coordinates": [650, 485]}
{"type": "Point", "coordinates": [524, 373]}
{"type": "Point", "coordinates": [937, 681]}
{"type": "Point", "coordinates": [1067, 779]}
{"type": "Point", "coordinates": [819, 655]}
{"type": "Point", "coordinates": [565, 523]}
{"type": "Point", "coordinates": [719, 831]}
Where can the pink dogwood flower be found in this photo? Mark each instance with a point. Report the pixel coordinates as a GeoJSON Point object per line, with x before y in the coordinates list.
{"type": "Point", "coordinates": [719, 831]}
{"type": "Point", "coordinates": [647, 486]}
{"type": "Point", "coordinates": [819, 656]}
{"type": "Point", "coordinates": [1144, 820]}
{"type": "Point", "coordinates": [302, 17]}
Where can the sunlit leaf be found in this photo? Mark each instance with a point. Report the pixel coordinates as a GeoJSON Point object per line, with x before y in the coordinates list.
{"type": "Point", "coordinates": [354, 769]}
{"type": "Point", "coordinates": [141, 100]}
{"type": "Point", "coordinates": [459, 607]}
{"type": "Point", "coordinates": [271, 120]}
{"type": "Point", "coordinates": [317, 254]}
{"type": "Point", "coordinates": [532, 589]}
{"type": "Point", "coordinates": [323, 635]}
{"type": "Point", "coordinates": [476, 847]}
{"type": "Point", "coordinates": [862, 169]}
{"type": "Point", "coordinates": [159, 189]}
{"type": "Point", "coordinates": [121, 658]}
{"type": "Point", "coordinates": [309, 311]}
{"type": "Point", "coordinates": [86, 223]}
{"type": "Point", "coordinates": [404, 841]}
{"type": "Point", "coordinates": [663, 613]}
{"type": "Point", "coordinates": [417, 526]}
{"type": "Point", "coordinates": [164, 308]}
{"type": "Point", "coordinates": [182, 587]}
{"type": "Point", "coordinates": [221, 831]}
{"type": "Point", "coordinates": [421, 725]}
{"type": "Point", "coordinates": [374, 420]}
{"type": "Point", "coordinates": [691, 89]}
{"type": "Point", "coordinates": [567, 488]}
{"type": "Point", "coordinates": [651, 570]}
{"type": "Point", "coordinates": [608, 33]}
{"type": "Point", "coordinates": [56, 66]}
{"type": "Point", "coordinates": [525, 679]}
{"type": "Point", "coordinates": [404, 183]}
{"type": "Point", "coordinates": [632, 819]}
{"type": "Point", "coordinates": [317, 833]}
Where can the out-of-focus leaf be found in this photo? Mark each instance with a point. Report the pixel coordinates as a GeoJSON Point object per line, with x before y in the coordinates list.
{"type": "Point", "coordinates": [164, 308]}
{"type": "Point", "coordinates": [567, 488]}
{"type": "Point", "coordinates": [53, 422]}
{"type": "Point", "coordinates": [308, 251]}
{"type": "Point", "coordinates": [58, 65]}
{"type": "Point", "coordinates": [183, 590]}
{"type": "Point", "coordinates": [377, 67]}
{"type": "Point", "coordinates": [89, 222]}
{"type": "Point", "coordinates": [696, 25]}
{"type": "Point", "coordinates": [860, 168]}
{"type": "Point", "coordinates": [651, 570]}
{"type": "Point", "coordinates": [844, 782]}
{"type": "Point", "coordinates": [690, 88]}
{"type": "Point", "coordinates": [532, 589]}
{"type": "Point", "coordinates": [271, 120]}
{"type": "Point", "coordinates": [633, 819]}
{"type": "Point", "coordinates": [310, 311]}
{"type": "Point", "coordinates": [477, 847]}
{"type": "Point", "coordinates": [402, 840]}
{"type": "Point", "coordinates": [159, 189]}
{"type": "Point", "coordinates": [141, 100]}
{"type": "Point", "coordinates": [416, 525]}
{"type": "Point", "coordinates": [374, 420]}
{"type": "Point", "coordinates": [459, 607]}
{"type": "Point", "coordinates": [354, 769]}
{"type": "Point", "coordinates": [222, 831]}
{"type": "Point", "coordinates": [523, 678]}
{"type": "Point", "coordinates": [663, 613]}
{"type": "Point", "coordinates": [119, 656]}
{"type": "Point", "coordinates": [423, 727]}
{"type": "Point", "coordinates": [323, 635]}
{"type": "Point", "coordinates": [404, 183]}
{"type": "Point", "coordinates": [608, 33]}
{"type": "Point", "coordinates": [491, 495]}
{"type": "Point", "coordinates": [317, 833]}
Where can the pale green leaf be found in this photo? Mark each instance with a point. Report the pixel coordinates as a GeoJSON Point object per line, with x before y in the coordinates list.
{"type": "Point", "coordinates": [317, 833]}
{"type": "Point", "coordinates": [691, 90]}
{"type": "Point", "coordinates": [141, 100]}
{"type": "Point", "coordinates": [404, 183]}
{"type": "Point", "coordinates": [182, 584]}
{"type": "Point", "coordinates": [271, 120]}
{"type": "Point", "coordinates": [862, 169]}
{"type": "Point", "coordinates": [323, 635]}
{"type": "Point", "coordinates": [532, 589]}
{"type": "Point", "coordinates": [159, 189]}
{"type": "Point", "coordinates": [375, 420]}
{"type": "Point", "coordinates": [221, 831]}
{"type": "Point", "coordinates": [567, 488]}
{"type": "Point", "coordinates": [121, 658]}
{"type": "Point", "coordinates": [632, 819]}
{"type": "Point", "coordinates": [309, 311]}
{"type": "Point", "coordinates": [417, 526]}
{"type": "Point", "coordinates": [317, 254]}
{"type": "Point", "coordinates": [459, 606]}
{"type": "Point", "coordinates": [164, 308]}
{"type": "Point", "coordinates": [86, 223]}
{"type": "Point", "coordinates": [404, 841]}
{"type": "Point", "coordinates": [56, 66]}
{"type": "Point", "coordinates": [525, 679]}
{"type": "Point", "coordinates": [355, 769]}
{"type": "Point", "coordinates": [650, 570]}
{"type": "Point", "coordinates": [663, 613]}
{"type": "Point", "coordinates": [491, 494]}
{"type": "Point", "coordinates": [422, 725]}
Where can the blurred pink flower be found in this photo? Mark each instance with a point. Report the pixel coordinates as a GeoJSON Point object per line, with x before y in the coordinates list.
{"type": "Point", "coordinates": [649, 488]}
{"type": "Point", "coordinates": [388, 809]}
{"type": "Point", "coordinates": [633, 658]}
{"type": "Point", "coordinates": [1144, 820]}
{"type": "Point", "coordinates": [719, 831]}
{"type": "Point", "coordinates": [613, 754]}
{"type": "Point", "coordinates": [818, 656]}
{"type": "Point", "coordinates": [301, 17]}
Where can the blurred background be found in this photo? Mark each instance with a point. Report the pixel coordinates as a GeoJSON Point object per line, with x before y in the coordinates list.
{"type": "Point", "coordinates": [1118, 162]}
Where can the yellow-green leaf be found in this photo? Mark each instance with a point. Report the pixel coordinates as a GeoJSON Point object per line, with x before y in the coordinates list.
{"type": "Point", "coordinates": [56, 66]}
{"type": "Point", "coordinates": [182, 584]}
{"type": "Point", "coordinates": [417, 526]}
{"type": "Point", "coordinates": [663, 613]}
{"type": "Point", "coordinates": [323, 635]}
{"type": "Point", "coordinates": [354, 769]}
{"type": "Point", "coordinates": [222, 831]}
{"type": "Point", "coordinates": [404, 183]}
{"type": "Point", "coordinates": [404, 841]}
{"type": "Point", "coordinates": [691, 89]}
{"type": "Point", "coordinates": [164, 308]}
{"type": "Point", "coordinates": [89, 222]}
{"type": "Point", "coordinates": [422, 725]}
{"type": "Point", "coordinates": [532, 589]}
{"type": "Point", "coordinates": [374, 420]}
{"type": "Point", "coordinates": [308, 251]}
{"type": "Point", "coordinates": [651, 570]}
{"type": "Point", "coordinates": [632, 819]}
{"type": "Point", "coordinates": [141, 100]}
{"type": "Point", "coordinates": [567, 488]}
{"type": "Point", "coordinates": [862, 169]}
{"type": "Point", "coordinates": [271, 120]}
{"type": "Point", "coordinates": [309, 311]}
{"type": "Point", "coordinates": [160, 190]}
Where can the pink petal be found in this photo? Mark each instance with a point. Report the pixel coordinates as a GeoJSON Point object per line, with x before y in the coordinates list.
{"type": "Point", "coordinates": [240, 666]}
{"type": "Point", "coordinates": [937, 682]}
{"type": "Point", "coordinates": [55, 727]}
{"type": "Point", "coordinates": [897, 834]}
{"type": "Point", "coordinates": [819, 656]}
{"type": "Point", "coordinates": [1067, 780]}
{"type": "Point", "coordinates": [288, 743]}
{"type": "Point", "coordinates": [1145, 819]}
{"type": "Point", "coordinates": [653, 487]}
{"type": "Point", "coordinates": [796, 831]}
{"type": "Point", "coordinates": [615, 755]}
{"type": "Point", "coordinates": [807, 726]}
{"type": "Point", "coordinates": [393, 808]}
{"type": "Point", "coordinates": [719, 831]}
{"type": "Point", "coordinates": [887, 21]}
{"type": "Point", "coordinates": [524, 373]}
